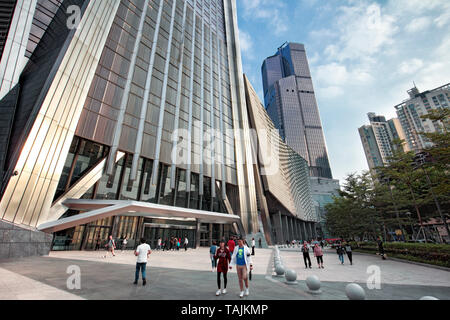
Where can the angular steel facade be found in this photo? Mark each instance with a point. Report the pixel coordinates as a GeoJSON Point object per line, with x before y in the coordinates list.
{"type": "Point", "coordinates": [284, 194]}
{"type": "Point", "coordinates": [144, 100]}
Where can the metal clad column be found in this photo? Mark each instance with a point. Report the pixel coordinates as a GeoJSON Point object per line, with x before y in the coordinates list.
{"type": "Point", "coordinates": [161, 111]}
{"type": "Point", "coordinates": [212, 139]}
{"type": "Point", "coordinates": [191, 96]}
{"type": "Point", "coordinates": [178, 100]}
{"type": "Point", "coordinates": [126, 93]}
{"type": "Point", "coordinates": [44, 153]}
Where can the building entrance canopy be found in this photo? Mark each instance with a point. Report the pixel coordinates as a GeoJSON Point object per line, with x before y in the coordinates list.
{"type": "Point", "coordinates": [99, 209]}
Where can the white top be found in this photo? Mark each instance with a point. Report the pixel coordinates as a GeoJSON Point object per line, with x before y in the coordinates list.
{"type": "Point", "coordinates": [247, 256]}
{"type": "Point", "coordinates": [159, 242]}
{"type": "Point", "coordinates": [125, 241]}
{"type": "Point", "coordinates": [142, 251]}
{"type": "Point", "coordinates": [186, 241]}
{"type": "Point", "coordinates": [253, 242]}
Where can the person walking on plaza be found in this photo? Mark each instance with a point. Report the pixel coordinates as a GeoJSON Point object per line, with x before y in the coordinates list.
{"type": "Point", "coordinates": [348, 250]}
{"type": "Point", "coordinates": [259, 243]}
{"type": "Point", "coordinates": [253, 246]}
{"type": "Point", "coordinates": [340, 252]}
{"type": "Point", "coordinates": [305, 251]}
{"type": "Point", "coordinates": [110, 246]}
{"type": "Point", "coordinates": [186, 241]}
{"type": "Point", "coordinates": [242, 259]}
{"type": "Point", "coordinates": [321, 243]}
{"type": "Point", "coordinates": [212, 254]}
{"type": "Point", "coordinates": [158, 244]}
{"type": "Point", "coordinates": [223, 258]}
{"type": "Point", "coordinates": [231, 244]}
{"type": "Point", "coordinates": [381, 248]}
{"type": "Point", "coordinates": [124, 243]}
{"type": "Point", "coordinates": [98, 243]}
{"type": "Point", "coordinates": [318, 253]}
{"type": "Point", "coordinates": [142, 252]}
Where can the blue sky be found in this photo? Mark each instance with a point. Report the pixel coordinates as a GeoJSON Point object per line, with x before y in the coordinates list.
{"type": "Point", "coordinates": [364, 55]}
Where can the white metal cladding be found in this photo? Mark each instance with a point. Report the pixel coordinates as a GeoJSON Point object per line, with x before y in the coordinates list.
{"type": "Point", "coordinates": [13, 59]}
{"type": "Point", "coordinates": [289, 183]}
{"type": "Point", "coordinates": [28, 195]}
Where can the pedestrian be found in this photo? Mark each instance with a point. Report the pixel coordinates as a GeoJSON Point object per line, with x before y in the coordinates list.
{"type": "Point", "coordinates": [223, 258]}
{"type": "Point", "coordinates": [318, 253]}
{"type": "Point", "coordinates": [178, 244]}
{"type": "Point", "coordinates": [158, 244]}
{"type": "Point", "coordinates": [142, 252]}
{"type": "Point", "coordinates": [231, 245]}
{"type": "Point", "coordinates": [171, 243]}
{"type": "Point", "coordinates": [186, 241]}
{"type": "Point", "coordinates": [340, 252]}
{"type": "Point", "coordinates": [321, 244]}
{"type": "Point", "coordinates": [242, 259]}
{"type": "Point", "coordinates": [305, 251]}
{"type": "Point", "coordinates": [124, 243]}
{"type": "Point", "coordinates": [348, 250]}
{"type": "Point", "coordinates": [110, 246]}
{"type": "Point", "coordinates": [98, 243]}
{"type": "Point", "coordinates": [259, 242]}
{"type": "Point", "coordinates": [253, 246]}
{"type": "Point", "coordinates": [212, 254]}
{"type": "Point", "coordinates": [381, 248]}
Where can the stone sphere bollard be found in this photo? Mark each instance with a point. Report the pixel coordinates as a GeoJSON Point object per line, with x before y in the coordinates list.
{"type": "Point", "coordinates": [355, 292]}
{"type": "Point", "coordinates": [279, 270]}
{"type": "Point", "coordinates": [313, 284]}
{"type": "Point", "coordinates": [428, 298]}
{"type": "Point", "coordinates": [291, 276]}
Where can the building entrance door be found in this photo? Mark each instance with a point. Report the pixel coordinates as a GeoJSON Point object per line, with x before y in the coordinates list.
{"type": "Point", "coordinates": [153, 231]}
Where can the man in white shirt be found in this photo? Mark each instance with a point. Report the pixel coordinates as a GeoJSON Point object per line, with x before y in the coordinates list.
{"type": "Point", "coordinates": [186, 241]}
{"type": "Point", "coordinates": [142, 252]}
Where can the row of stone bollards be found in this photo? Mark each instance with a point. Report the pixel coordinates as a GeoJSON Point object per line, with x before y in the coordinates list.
{"type": "Point", "coordinates": [353, 290]}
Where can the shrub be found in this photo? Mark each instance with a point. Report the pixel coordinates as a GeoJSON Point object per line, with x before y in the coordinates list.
{"type": "Point", "coordinates": [437, 254]}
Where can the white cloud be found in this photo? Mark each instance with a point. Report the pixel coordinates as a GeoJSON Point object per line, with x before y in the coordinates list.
{"type": "Point", "coordinates": [418, 24]}
{"type": "Point", "coordinates": [246, 44]}
{"type": "Point", "coordinates": [269, 11]}
{"type": "Point", "coordinates": [364, 31]}
{"type": "Point", "coordinates": [410, 66]}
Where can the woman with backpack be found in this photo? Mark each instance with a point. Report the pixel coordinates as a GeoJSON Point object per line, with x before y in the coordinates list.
{"type": "Point", "coordinates": [340, 252]}
{"type": "Point", "coordinates": [223, 258]}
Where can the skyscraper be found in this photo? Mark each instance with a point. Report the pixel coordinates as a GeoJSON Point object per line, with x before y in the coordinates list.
{"type": "Point", "coordinates": [291, 104]}
{"type": "Point", "coordinates": [96, 108]}
{"type": "Point", "coordinates": [124, 118]}
{"type": "Point", "coordinates": [290, 101]}
{"type": "Point", "coordinates": [419, 104]}
{"type": "Point", "coordinates": [378, 139]}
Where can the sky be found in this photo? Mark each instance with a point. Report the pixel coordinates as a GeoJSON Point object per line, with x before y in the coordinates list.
{"type": "Point", "coordinates": [363, 55]}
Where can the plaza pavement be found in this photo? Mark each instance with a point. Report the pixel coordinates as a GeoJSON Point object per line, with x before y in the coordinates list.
{"type": "Point", "coordinates": [187, 276]}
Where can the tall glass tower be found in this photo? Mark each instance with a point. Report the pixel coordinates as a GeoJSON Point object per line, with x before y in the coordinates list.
{"type": "Point", "coordinates": [125, 117]}
{"type": "Point", "coordinates": [291, 104]}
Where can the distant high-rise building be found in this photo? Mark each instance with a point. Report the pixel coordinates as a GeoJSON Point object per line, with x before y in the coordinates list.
{"type": "Point", "coordinates": [291, 104]}
{"type": "Point", "coordinates": [418, 104]}
{"type": "Point", "coordinates": [378, 139]}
